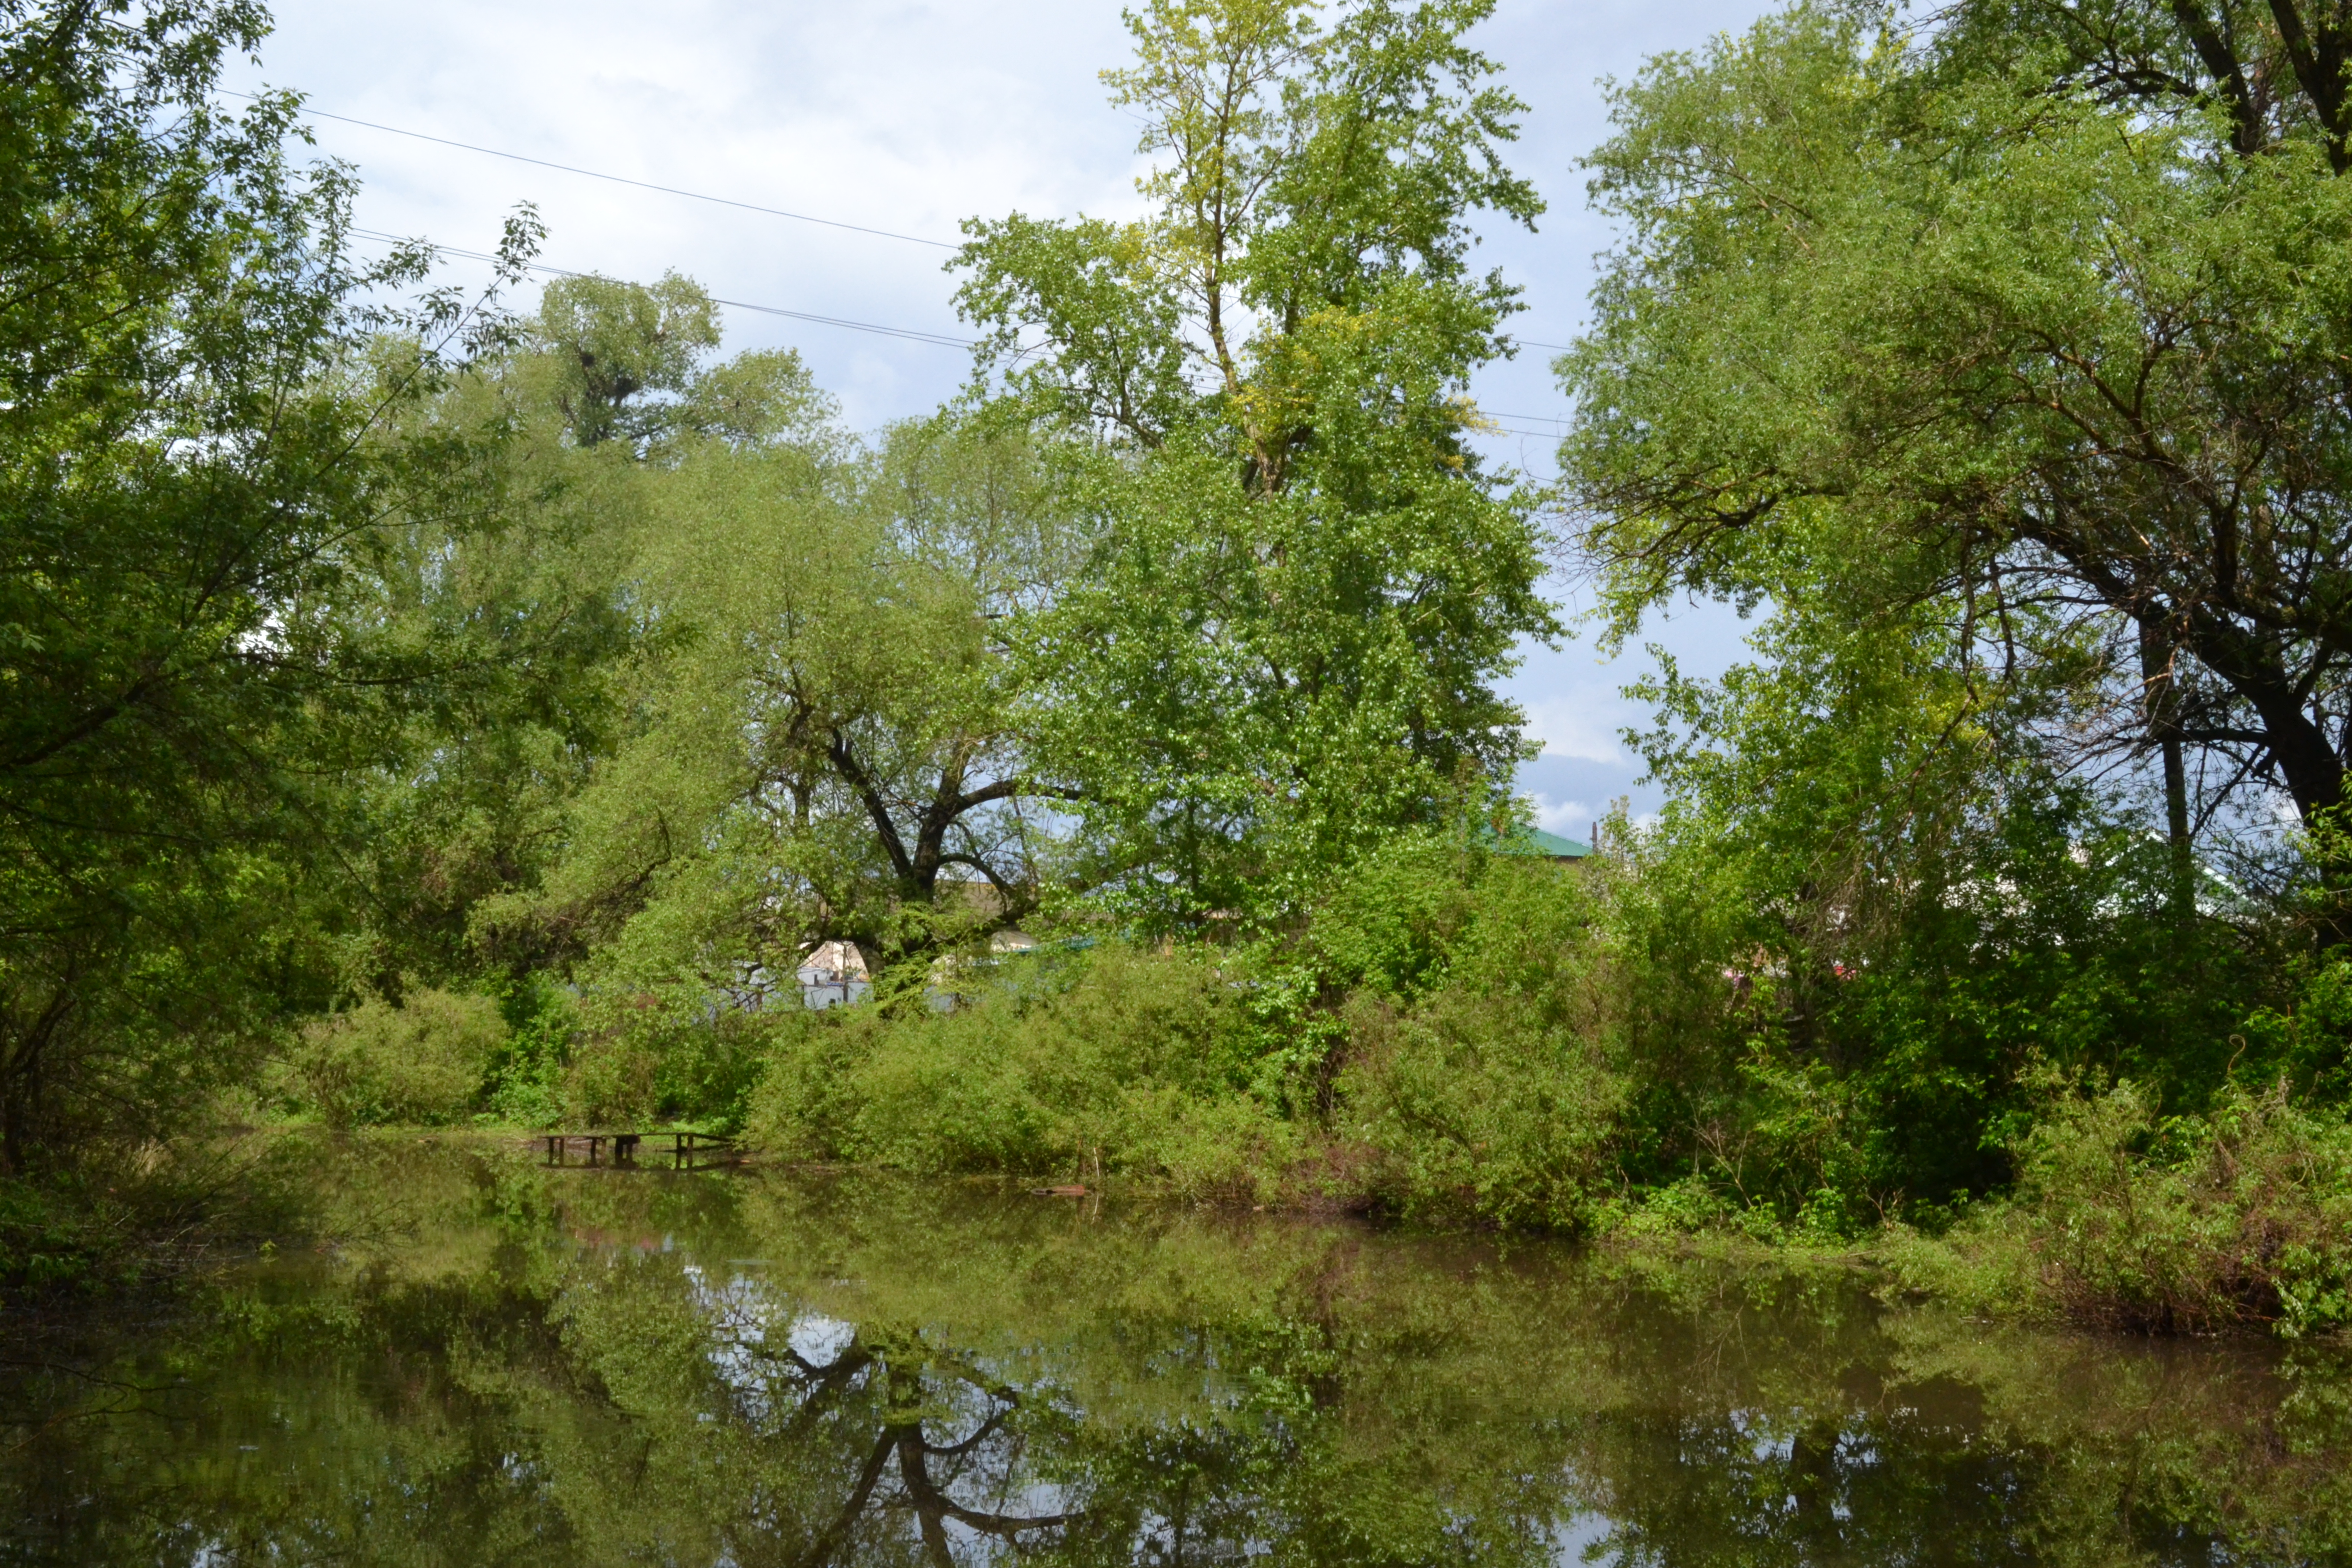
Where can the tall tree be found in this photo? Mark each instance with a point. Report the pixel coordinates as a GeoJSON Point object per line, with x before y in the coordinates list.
{"type": "Point", "coordinates": [185, 493]}
{"type": "Point", "coordinates": [537, 487]}
{"type": "Point", "coordinates": [1301, 583]}
{"type": "Point", "coordinates": [1948, 301]}
{"type": "Point", "coordinates": [828, 746]}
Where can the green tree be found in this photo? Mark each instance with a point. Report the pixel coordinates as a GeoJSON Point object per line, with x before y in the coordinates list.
{"type": "Point", "coordinates": [606, 343]}
{"type": "Point", "coordinates": [187, 497]}
{"type": "Point", "coordinates": [2048, 307]}
{"type": "Point", "coordinates": [528, 509]}
{"type": "Point", "coordinates": [1299, 583]}
{"type": "Point", "coordinates": [829, 746]}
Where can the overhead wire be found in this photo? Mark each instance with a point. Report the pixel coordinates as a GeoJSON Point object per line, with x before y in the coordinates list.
{"type": "Point", "coordinates": [620, 179]}
{"type": "Point", "coordinates": [720, 201]}
{"type": "Point", "coordinates": [939, 339]}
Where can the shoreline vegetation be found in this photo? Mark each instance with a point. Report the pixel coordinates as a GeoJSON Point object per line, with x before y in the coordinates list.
{"type": "Point", "coordinates": [429, 709]}
{"type": "Point", "coordinates": [1450, 1045]}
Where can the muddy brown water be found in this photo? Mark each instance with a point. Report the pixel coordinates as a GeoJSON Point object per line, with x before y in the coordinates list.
{"type": "Point", "coordinates": [506, 1363]}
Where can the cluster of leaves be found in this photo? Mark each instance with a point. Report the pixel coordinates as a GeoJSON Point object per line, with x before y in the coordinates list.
{"type": "Point", "coordinates": [1300, 581]}
{"type": "Point", "coordinates": [2029, 329]}
{"type": "Point", "coordinates": [190, 514]}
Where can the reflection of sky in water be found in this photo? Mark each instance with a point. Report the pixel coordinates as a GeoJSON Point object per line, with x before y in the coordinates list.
{"type": "Point", "coordinates": [747, 1314]}
{"type": "Point", "coordinates": [818, 1339]}
{"type": "Point", "coordinates": [1578, 1539]}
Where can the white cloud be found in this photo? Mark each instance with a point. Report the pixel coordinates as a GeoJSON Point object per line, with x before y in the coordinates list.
{"type": "Point", "coordinates": [1569, 818]}
{"type": "Point", "coordinates": [1584, 730]}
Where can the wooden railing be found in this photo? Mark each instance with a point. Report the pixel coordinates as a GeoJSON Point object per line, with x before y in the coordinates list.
{"type": "Point", "coordinates": [687, 1151]}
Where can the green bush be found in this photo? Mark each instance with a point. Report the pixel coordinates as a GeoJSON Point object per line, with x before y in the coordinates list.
{"type": "Point", "coordinates": [47, 1238]}
{"type": "Point", "coordinates": [2163, 1224]}
{"type": "Point", "coordinates": [2308, 1040]}
{"type": "Point", "coordinates": [523, 1080]}
{"type": "Point", "coordinates": [420, 1061]}
{"type": "Point", "coordinates": [1067, 1065]}
{"type": "Point", "coordinates": [674, 1055]}
{"type": "Point", "coordinates": [1498, 1094]}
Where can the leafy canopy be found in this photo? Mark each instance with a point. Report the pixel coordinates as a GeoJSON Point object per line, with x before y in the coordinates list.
{"type": "Point", "coordinates": [1300, 582]}
{"type": "Point", "coordinates": [190, 511]}
{"type": "Point", "coordinates": [1983, 321]}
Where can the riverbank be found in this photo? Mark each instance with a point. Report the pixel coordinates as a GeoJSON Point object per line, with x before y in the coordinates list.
{"type": "Point", "coordinates": [2242, 1225]}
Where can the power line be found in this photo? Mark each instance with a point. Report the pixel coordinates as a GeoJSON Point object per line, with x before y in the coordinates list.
{"type": "Point", "coordinates": [939, 339]}
{"type": "Point", "coordinates": [721, 201]}
{"type": "Point", "coordinates": [620, 179]}
{"type": "Point", "coordinates": [911, 334]}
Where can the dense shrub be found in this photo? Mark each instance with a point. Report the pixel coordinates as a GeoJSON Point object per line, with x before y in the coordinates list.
{"type": "Point", "coordinates": [1487, 1080]}
{"type": "Point", "coordinates": [2307, 1041]}
{"type": "Point", "coordinates": [1067, 1065]}
{"type": "Point", "coordinates": [149, 1212]}
{"type": "Point", "coordinates": [677, 1055]}
{"type": "Point", "coordinates": [419, 1060]}
{"type": "Point", "coordinates": [522, 1082]}
{"type": "Point", "coordinates": [2164, 1224]}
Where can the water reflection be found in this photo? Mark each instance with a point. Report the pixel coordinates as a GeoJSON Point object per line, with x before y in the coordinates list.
{"type": "Point", "coordinates": [590, 1367]}
{"type": "Point", "coordinates": [901, 1391]}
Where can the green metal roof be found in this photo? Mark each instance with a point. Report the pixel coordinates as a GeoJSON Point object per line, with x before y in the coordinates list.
{"type": "Point", "coordinates": [1536, 841]}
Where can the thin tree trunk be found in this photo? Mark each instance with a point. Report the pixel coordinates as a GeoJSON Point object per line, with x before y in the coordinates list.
{"type": "Point", "coordinates": [2161, 697]}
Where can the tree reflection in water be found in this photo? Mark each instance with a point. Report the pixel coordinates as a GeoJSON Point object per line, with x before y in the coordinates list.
{"type": "Point", "coordinates": [903, 1382]}
{"type": "Point", "coordinates": [547, 1367]}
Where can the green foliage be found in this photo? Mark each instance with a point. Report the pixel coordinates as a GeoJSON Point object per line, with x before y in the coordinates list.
{"type": "Point", "coordinates": [2306, 1042]}
{"type": "Point", "coordinates": [1843, 371]}
{"type": "Point", "coordinates": [827, 745]}
{"type": "Point", "coordinates": [191, 519]}
{"type": "Point", "coordinates": [524, 575]}
{"type": "Point", "coordinates": [149, 1218]}
{"type": "Point", "coordinates": [1980, 331]}
{"type": "Point", "coordinates": [49, 1237]}
{"type": "Point", "coordinates": [1999, 372]}
{"type": "Point", "coordinates": [422, 1060]}
{"type": "Point", "coordinates": [1299, 582]}
{"type": "Point", "coordinates": [682, 1056]}
{"type": "Point", "coordinates": [1500, 1092]}
{"type": "Point", "coordinates": [1067, 1067]}
{"type": "Point", "coordinates": [522, 1078]}
{"type": "Point", "coordinates": [2166, 1224]}
{"type": "Point", "coordinates": [605, 344]}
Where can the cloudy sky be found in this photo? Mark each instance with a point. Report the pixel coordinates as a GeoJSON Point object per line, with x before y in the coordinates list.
{"type": "Point", "coordinates": [910, 118]}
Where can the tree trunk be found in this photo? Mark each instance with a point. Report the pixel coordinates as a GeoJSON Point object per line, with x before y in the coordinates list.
{"type": "Point", "coordinates": [2161, 697]}
{"type": "Point", "coordinates": [2307, 761]}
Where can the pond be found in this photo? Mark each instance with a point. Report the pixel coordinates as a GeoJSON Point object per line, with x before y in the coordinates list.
{"type": "Point", "coordinates": [517, 1364]}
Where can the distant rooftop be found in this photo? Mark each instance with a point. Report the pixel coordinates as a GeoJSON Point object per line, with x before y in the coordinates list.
{"type": "Point", "coordinates": [1550, 846]}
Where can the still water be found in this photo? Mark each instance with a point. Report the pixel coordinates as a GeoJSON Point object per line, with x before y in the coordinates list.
{"type": "Point", "coordinates": [509, 1363]}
